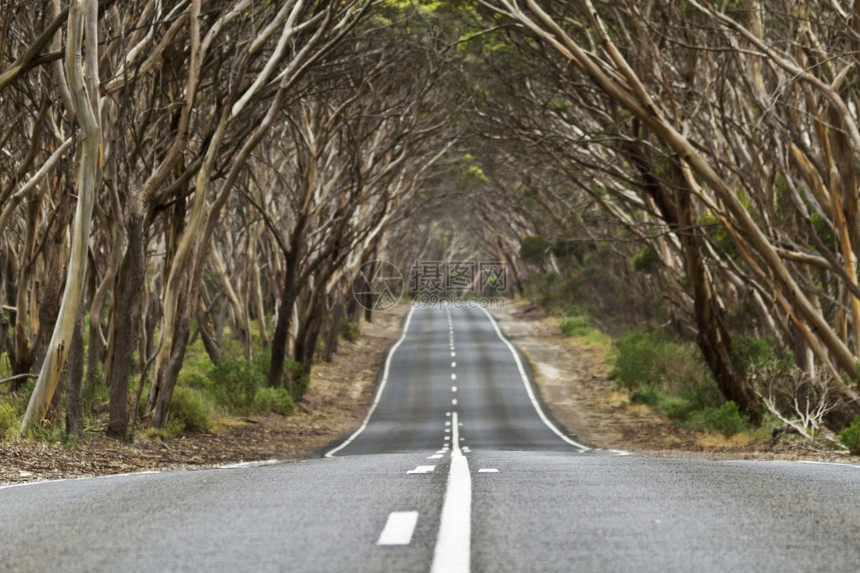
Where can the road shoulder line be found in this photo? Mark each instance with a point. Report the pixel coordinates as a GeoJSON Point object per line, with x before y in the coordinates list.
{"type": "Point", "coordinates": [529, 390]}
{"type": "Point", "coordinates": [382, 383]}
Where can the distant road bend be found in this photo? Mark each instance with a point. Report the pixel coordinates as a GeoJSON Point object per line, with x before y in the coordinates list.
{"type": "Point", "coordinates": [456, 468]}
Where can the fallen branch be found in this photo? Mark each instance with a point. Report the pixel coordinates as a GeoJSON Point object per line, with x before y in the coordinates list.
{"type": "Point", "coordinates": [18, 377]}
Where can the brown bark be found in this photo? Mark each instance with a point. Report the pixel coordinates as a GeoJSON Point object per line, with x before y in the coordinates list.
{"type": "Point", "coordinates": [713, 337]}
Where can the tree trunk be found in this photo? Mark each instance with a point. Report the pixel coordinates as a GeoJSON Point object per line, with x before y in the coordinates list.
{"type": "Point", "coordinates": [88, 172]}
{"type": "Point", "coordinates": [713, 338]}
{"type": "Point", "coordinates": [126, 319]}
{"type": "Point", "coordinates": [282, 327]}
{"type": "Point", "coordinates": [74, 383]}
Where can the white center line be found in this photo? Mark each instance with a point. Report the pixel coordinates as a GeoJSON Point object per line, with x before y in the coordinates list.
{"type": "Point", "coordinates": [399, 528]}
{"type": "Point", "coordinates": [453, 544]}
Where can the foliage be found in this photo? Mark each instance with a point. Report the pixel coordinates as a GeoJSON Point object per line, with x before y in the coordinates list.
{"type": "Point", "coordinates": [751, 352]}
{"type": "Point", "coordinates": [276, 400]}
{"type": "Point", "coordinates": [727, 419]}
{"type": "Point", "coordinates": [575, 326]}
{"type": "Point", "coordinates": [646, 261]}
{"type": "Point", "coordinates": [533, 249]}
{"type": "Point", "coordinates": [595, 283]}
{"type": "Point", "coordinates": [850, 436]}
{"type": "Point", "coordinates": [174, 428]}
{"type": "Point", "coordinates": [349, 330]}
{"type": "Point", "coordinates": [671, 378]}
{"type": "Point", "coordinates": [648, 395]}
{"type": "Point", "coordinates": [8, 420]}
{"type": "Point", "coordinates": [189, 409]}
{"type": "Point", "coordinates": [642, 359]}
{"type": "Point", "coordinates": [234, 384]}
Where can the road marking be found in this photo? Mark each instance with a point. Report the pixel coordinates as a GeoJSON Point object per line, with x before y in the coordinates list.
{"type": "Point", "coordinates": [453, 544]}
{"type": "Point", "coordinates": [422, 470]}
{"type": "Point", "coordinates": [528, 386]}
{"type": "Point", "coordinates": [488, 471]}
{"type": "Point", "coordinates": [398, 528]}
{"type": "Point", "coordinates": [453, 388]}
{"type": "Point", "coordinates": [453, 364]}
{"type": "Point", "coordinates": [453, 354]}
{"type": "Point", "coordinates": [454, 402]}
{"type": "Point", "coordinates": [453, 376]}
{"type": "Point", "coordinates": [434, 457]}
{"type": "Point", "coordinates": [382, 384]}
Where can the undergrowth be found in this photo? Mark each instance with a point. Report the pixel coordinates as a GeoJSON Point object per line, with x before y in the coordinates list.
{"type": "Point", "coordinates": [671, 377]}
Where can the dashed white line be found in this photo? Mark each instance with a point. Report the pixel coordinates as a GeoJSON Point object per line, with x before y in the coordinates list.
{"type": "Point", "coordinates": [398, 528]}
{"type": "Point", "coordinates": [422, 470]}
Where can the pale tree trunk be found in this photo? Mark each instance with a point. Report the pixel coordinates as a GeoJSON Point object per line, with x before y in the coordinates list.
{"type": "Point", "coordinates": [81, 13]}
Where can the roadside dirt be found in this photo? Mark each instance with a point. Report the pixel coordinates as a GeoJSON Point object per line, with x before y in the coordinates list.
{"type": "Point", "coordinates": [335, 404]}
{"type": "Point", "coordinates": [570, 374]}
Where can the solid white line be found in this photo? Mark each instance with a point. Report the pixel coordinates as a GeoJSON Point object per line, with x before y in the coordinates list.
{"type": "Point", "coordinates": [382, 384]}
{"type": "Point", "coordinates": [453, 544]}
{"type": "Point", "coordinates": [529, 391]}
{"type": "Point", "coordinates": [399, 528]}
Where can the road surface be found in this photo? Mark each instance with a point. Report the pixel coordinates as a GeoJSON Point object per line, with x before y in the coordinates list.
{"type": "Point", "coordinates": [457, 468]}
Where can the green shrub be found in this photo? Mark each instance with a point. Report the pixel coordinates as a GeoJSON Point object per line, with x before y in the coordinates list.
{"type": "Point", "coordinates": [234, 383]}
{"type": "Point", "coordinates": [348, 329]}
{"type": "Point", "coordinates": [8, 420]}
{"type": "Point", "coordinates": [850, 436]}
{"type": "Point", "coordinates": [173, 429]}
{"type": "Point", "coordinates": [533, 249]}
{"type": "Point", "coordinates": [646, 261]}
{"type": "Point", "coordinates": [676, 408]}
{"type": "Point", "coordinates": [642, 359]}
{"type": "Point", "coordinates": [575, 326]}
{"type": "Point", "coordinates": [648, 395]}
{"type": "Point", "coordinates": [727, 419]}
{"type": "Point", "coordinates": [752, 352]}
{"type": "Point", "coordinates": [188, 408]}
{"type": "Point", "coordinates": [276, 400]}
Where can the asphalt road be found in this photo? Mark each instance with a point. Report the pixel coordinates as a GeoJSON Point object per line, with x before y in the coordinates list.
{"type": "Point", "coordinates": [456, 469]}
